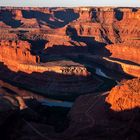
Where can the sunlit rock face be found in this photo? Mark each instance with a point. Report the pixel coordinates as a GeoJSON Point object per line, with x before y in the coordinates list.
{"type": "Point", "coordinates": [17, 56]}
{"type": "Point", "coordinates": [59, 67]}
{"type": "Point", "coordinates": [32, 37]}
{"type": "Point", "coordinates": [104, 24]}
{"type": "Point", "coordinates": [93, 117]}
{"type": "Point", "coordinates": [64, 53]}
{"type": "Point", "coordinates": [108, 24]}
{"type": "Point", "coordinates": [123, 101]}
{"type": "Point", "coordinates": [119, 65]}
{"type": "Point", "coordinates": [126, 56]}
{"type": "Point", "coordinates": [126, 51]}
{"type": "Point", "coordinates": [14, 53]}
{"type": "Point", "coordinates": [125, 96]}
{"type": "Point", "coordinates": [47, 31]}
{"type": "Point", "coordinates": [17, 14]}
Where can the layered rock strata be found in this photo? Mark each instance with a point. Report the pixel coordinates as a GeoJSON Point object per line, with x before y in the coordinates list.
{"type": "Point", "coordinates": [93, 117]}
{"type": "Point", "coordinates": [129, 51]}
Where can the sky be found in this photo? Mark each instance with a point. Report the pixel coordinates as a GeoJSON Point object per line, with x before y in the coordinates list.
{"type": "Point", "coordinates": [70, 3]}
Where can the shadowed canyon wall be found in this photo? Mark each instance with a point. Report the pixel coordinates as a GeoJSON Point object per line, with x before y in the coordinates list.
{"type": "Point", "coordinates": [67, 54]}
{"type": "Point", "coordinates": [44, 31]}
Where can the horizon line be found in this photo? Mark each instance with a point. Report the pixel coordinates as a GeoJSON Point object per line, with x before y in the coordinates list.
{"type": "Point", "coordinates": [111, 6]}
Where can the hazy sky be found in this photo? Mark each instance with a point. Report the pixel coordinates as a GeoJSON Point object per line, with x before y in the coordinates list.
{"type": "Point", "coordinates": [55, 3]}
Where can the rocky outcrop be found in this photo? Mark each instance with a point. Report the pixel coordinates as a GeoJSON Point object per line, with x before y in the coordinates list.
{"type": "Point", "coordinates": [62, 31]}
{"type": "Point", "coordinates": [17, 13]}
{"type": "Point", "coordinates": [70, 81]}
{"type": "Point", "coordinates": [56, 40]}
{"type": "Point", "coordinates": [5, 34]}
{"type": "Point", "coordinates": [104, 24]}
{"type": "Point", "coordinates": [15, 52]}
{"type": "Point", "coordinates": [39, 51]}
{"type": "Point", "coordinates": [70, 68]}
{"type": "Point", "coordinates": [3, 25]}
{"type": "Point", "coordinates": [120, 66]}
{"type": "Point", "coordinates": [117, 65]}
{"type": "Point", "coordinates": [126, 51]}
{"type": "Point", "coordinates": [114, 25]}
{"type": "Point", "coordinates": [125, 97]}
{"type": "Point", "coordinates": [27, 23]}
{"type": "Point", "coordinates": [93, 117]}
{"type": "Point", "coordinates": [17, 56]}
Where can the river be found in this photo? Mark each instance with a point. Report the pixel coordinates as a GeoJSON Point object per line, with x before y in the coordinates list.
{"type": "Point", "coordinates": [58, 103]}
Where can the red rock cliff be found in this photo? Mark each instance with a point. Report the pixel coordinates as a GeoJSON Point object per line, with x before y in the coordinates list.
{"type": "Point", "coordinates": [126, 51]}
{"type": "Point", "coordinates": [125, 98]}
{"type": "Point", "coordinates": [16, 51]}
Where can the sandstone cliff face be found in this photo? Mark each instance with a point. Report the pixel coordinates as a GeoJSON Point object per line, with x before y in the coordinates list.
{"type": "Point", "coordinates": [52, 32]}
{"type": "Point", "coordinates": [104, 24]}
{"type": "Point", "coordinates": [125, 96]}
{"type": "Point", "coordinates": [129, 24]}
{"type": "Point", "coordinates": [62, 41]}
{"type": "Point", "coordinates": [102, 15]}
{"type": "Point", "coordinates": [16, 52]}
{"type": "Point", "coordinates": [65, 70]}
{"type": "Point", "coordinates": [74, 30]}
{"type": "Point", "coordinates": [17, 14]}
{"type": "Point", "coordinates": [104, 115]}
{"type": "Point", "coordinates": [91, 117]}
{"type": "Point", "coordinates": [17, 56]}
{"type": "Point", "coordinates": [118, 24]}
{"type": "Point", "coordinates": [117, 65]}
{"type": "Point", "coordinates": [126, 51]}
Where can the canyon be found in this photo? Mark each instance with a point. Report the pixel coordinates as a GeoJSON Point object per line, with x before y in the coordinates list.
{"type": "Point", "coordinates": [43, 31]}
{"type": "Point", "coordinates": [69, 73]}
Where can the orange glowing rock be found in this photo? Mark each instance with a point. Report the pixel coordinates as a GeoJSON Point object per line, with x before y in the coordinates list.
{"type": "Point", "coordinates": [125, 96]}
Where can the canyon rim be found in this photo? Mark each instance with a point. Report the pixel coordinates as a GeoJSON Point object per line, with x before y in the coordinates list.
{"type": "Point", "coordinates": [69, 73]}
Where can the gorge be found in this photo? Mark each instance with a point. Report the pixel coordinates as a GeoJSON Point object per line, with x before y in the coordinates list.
{"type": "Point", "coordinates": [69, 73]}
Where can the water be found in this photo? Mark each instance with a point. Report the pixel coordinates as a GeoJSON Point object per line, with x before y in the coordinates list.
{"type": "Point", "coordinates": [101, 73]}
{"type": "Point", "coordinates": [57, 103]}
{"type": "Point", "coordinates": [54, 103]}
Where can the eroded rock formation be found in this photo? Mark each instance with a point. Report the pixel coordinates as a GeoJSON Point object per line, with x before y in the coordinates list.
{"type": "Point", "coordinates": [126, 51]}
{"type": "Point", "coordinates": [125, 98]}
{"type": "Point", "coordinates": [105, 115]}
{"type": "Point", "coordinates": [18, 51]}
{"type": "Point", "coordinates": [57, 53]}
{"type": "Point", "coordinates": [111, 115]}
{"type": "Point", "coordinates": [14, 53]}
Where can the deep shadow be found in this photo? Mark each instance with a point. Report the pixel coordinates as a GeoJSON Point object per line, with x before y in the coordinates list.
{"type": "Point", "coordinates": [53, 85]}
{"type": "Point", "coordinates": [60, 49]}
{"type": "Point", "coordinates": [61, 18]}
{"type": "Point", "coordinates": [37, 46]}
{"type": "Point", "coordinates": [111, 124]}
{"type": "Point", "coordinates": [67, 16]}
{"type": "Point", "coordinates": [125, 114]}
{"type": "Point", "coordinates": [93, 46]}
{"type": "Point", "coordinates": [95, 16]}
{"type": "Point", "coordinates": [118, 14]}
{"type": "Point", "coordinates": [8, 19]}
{"type": "Point", "coordinates": [126, 61]}
{"type": "Point", "coordinates": [54, 116]}
{"type": "Point", "coordinates": [15, 120]}
{"type": "Point", "coordinates": [134, 9]}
